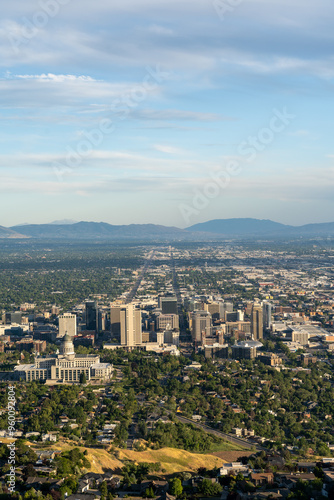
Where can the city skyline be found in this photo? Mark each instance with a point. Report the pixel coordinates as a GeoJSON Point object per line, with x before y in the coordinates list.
{"type": "Point", "coordinates": [125, 113]}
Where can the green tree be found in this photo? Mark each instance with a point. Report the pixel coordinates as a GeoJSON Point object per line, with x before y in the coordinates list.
{"type": "Point", "coordinates": [175, 487]}
{"type": "Point", "coordinates": [210, 489]}
{"type": "Point", "coordinates": [104, 488]}
{"type": "Point", "coordinates": [149, 493]}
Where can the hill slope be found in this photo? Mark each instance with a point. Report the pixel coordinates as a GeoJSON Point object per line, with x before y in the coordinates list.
{"type": "Point", "coordinates": [260, 227]}
{"type": "Point", "coordinates": [232, 227]}
{"type": "Point", "coordinates": [100, 230]}
{"type": "Point", "coordinates": [172, 460]}
{"type": "Point", "coordinates": [211, 230]}
{"type": "Point", "coordinates": [10, 233]}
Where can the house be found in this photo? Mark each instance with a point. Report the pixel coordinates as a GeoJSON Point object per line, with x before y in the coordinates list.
{"type": "Point", "coordinates": [159, 487]}
{"type": "Point", "coordinates": [164, 420]}
{"type": "Point", "coordinates": [93, 479]}
{"type": "Point", "coordinates": [290, 480]}
{"type": "Point", "coordinates": [115, 483]}
{"type": "Point", "coordinates": [49, 437]}
{"type": "Point", "coordinates": [263, 495]}
{"type": "Point", "coordinates": [237, 431]}
{"type": "Point", "coordinates": [42, 469]}
{"type": "Point", "coordinates": [260, 479]}
{"type": "Point", "coordinates": [233, 467]}
{"type": "Point", "coordinates": [37, 482]}
{"type": "Point", "coordinates": [194, 366]}
{"type": "Point", "coordinates": [46, 454]}
{"type": "Point", "coordinates": [276, 461]}
{"type": "Point", "coordinates": [85, 496]}
{"type": "Point", "coordinates": [328, 476]}
{"type": "Point", "coordinates": [306, 466]}
{"type": "Point", "coordinates": [83, 486]}
{"type": "Point", "coordinates": [32, 434]}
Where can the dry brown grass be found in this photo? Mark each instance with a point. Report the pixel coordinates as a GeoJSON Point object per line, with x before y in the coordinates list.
{"type": "Point", "coordinates": [172, 460]}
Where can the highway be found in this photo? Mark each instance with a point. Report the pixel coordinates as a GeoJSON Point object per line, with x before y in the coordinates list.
{"type": "Point", "coordinates": [227, 437]}
{"type": "Point", "coordinates": [177, 293]}
{"type": "Point", "coordinates": [176, 287]}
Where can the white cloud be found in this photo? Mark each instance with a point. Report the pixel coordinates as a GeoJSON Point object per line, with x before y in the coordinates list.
{"type": "Point", "coordinates": [163, 148]}
{"type": "Point", "coordinates": [160, 30]}
{"type": "Point", "coordinates": [56, 78]}
{"type": "Point", "coordinates": [301, 133]}
{"type": "Point", "coordinates": [177, 114]}
{"type": "Point", "coordinates": [51, 90]}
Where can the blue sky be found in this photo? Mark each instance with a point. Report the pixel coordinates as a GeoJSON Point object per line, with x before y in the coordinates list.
{"type": "Point", "coordinates": [128, 113]}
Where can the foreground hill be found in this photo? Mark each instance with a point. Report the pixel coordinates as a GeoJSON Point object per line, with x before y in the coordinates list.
{"type": "Point", "coordinates": [172, 460]}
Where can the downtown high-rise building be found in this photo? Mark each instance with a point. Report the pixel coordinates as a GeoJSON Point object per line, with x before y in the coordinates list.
{"type": "Point", "coordinates": [115, 321]}
{"type": "Point", "coordinates": [91, 315]}
{"type": "Point", "coordinates": [130, 326]}
{"type": "Point", "coordinates": [267, 311]}
{"type": "Point", "coordinates": [168, 305]}
{"type": "Point", "coordinates": [257, 321]}
{"type": "Point", "coordinates": [201, 325]}
{"type": "Point", "coordinates": [67, 324]}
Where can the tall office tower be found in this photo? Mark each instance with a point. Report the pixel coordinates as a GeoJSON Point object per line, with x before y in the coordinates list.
{"type": "Point", "coordinates": [160, 338]}
{"type": "Point", "coordinates": [225, 307]}
{"type": "Point", "coordinates": [168, 305]}
{"type": "Point", "coordinates": [214, 309]}
{"type": "Point", "coordinates": [131, 331]}
{"type": "Point", "coordinates": [245, 351]}
{"type": "Point", "coordinates": [102, 320]}
{"type": "Point", "coordinates": [257, 321]}
{"type": "Point", "coordinates": [170, 321]}
{"type": "Point", "coordinates": [201, 322]}
{"type": "Point", "coordinates": [91, 315]}
{"type": "Point", "coordinates": [67, 324]}
{"type": "Point", "coordinates": [241, 315]}
{"type": "Point", "coordinates": [267, 310]}
{"type": "Point", "coordinates": [231, 316]}
{"type": "Point", "coordinates": [115, 321]}
{"type": "Point", "coordinates": [12, 317]}
{"type": "Point", "coordinates": [193, 304]}
{"type": "Point", "coordinates": [248, 308]}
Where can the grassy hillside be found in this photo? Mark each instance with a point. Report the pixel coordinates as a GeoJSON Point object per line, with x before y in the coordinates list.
{"type": "Point", "coordinates": [171, 459]}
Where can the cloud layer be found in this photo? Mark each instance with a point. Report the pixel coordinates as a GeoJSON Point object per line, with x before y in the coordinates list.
{"type": "Point", "coordinates": [161, 94]}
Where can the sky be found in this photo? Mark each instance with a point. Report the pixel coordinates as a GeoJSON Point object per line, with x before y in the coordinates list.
{"type": "Point", "coordinates": [166, 112]}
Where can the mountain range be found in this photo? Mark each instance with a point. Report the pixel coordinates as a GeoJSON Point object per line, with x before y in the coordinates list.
{"type": "Point", "coordinates": [6, 232]}
{"type": "Point", "coordinates": [211, 230]}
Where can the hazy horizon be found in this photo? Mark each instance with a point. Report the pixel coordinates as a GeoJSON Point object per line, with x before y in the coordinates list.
{"type": "Point", "coordinates": [67, 222]}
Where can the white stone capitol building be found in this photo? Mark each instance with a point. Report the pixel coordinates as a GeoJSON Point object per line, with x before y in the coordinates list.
{"type": "Point", "coordinates": [66, 366]}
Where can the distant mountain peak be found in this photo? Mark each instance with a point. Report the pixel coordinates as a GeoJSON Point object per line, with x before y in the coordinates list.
{"type": "Point", "coordinates": [238, 226]}
{"type": "Point", "coordinates": [63, 222]}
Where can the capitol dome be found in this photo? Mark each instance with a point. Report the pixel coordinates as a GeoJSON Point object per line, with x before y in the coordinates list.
{"type": "Point", "coordinates": [67, 346]}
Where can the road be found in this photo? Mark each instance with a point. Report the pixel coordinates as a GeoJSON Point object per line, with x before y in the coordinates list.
{"type": "Point", "coordinates": [214, 432]}
{"type": "Point", "coordinates": [176, 287]}
{"type": "Point", "coordinates": [135, 287]}
{"type": "Point", "coordinates": [177, 293]}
